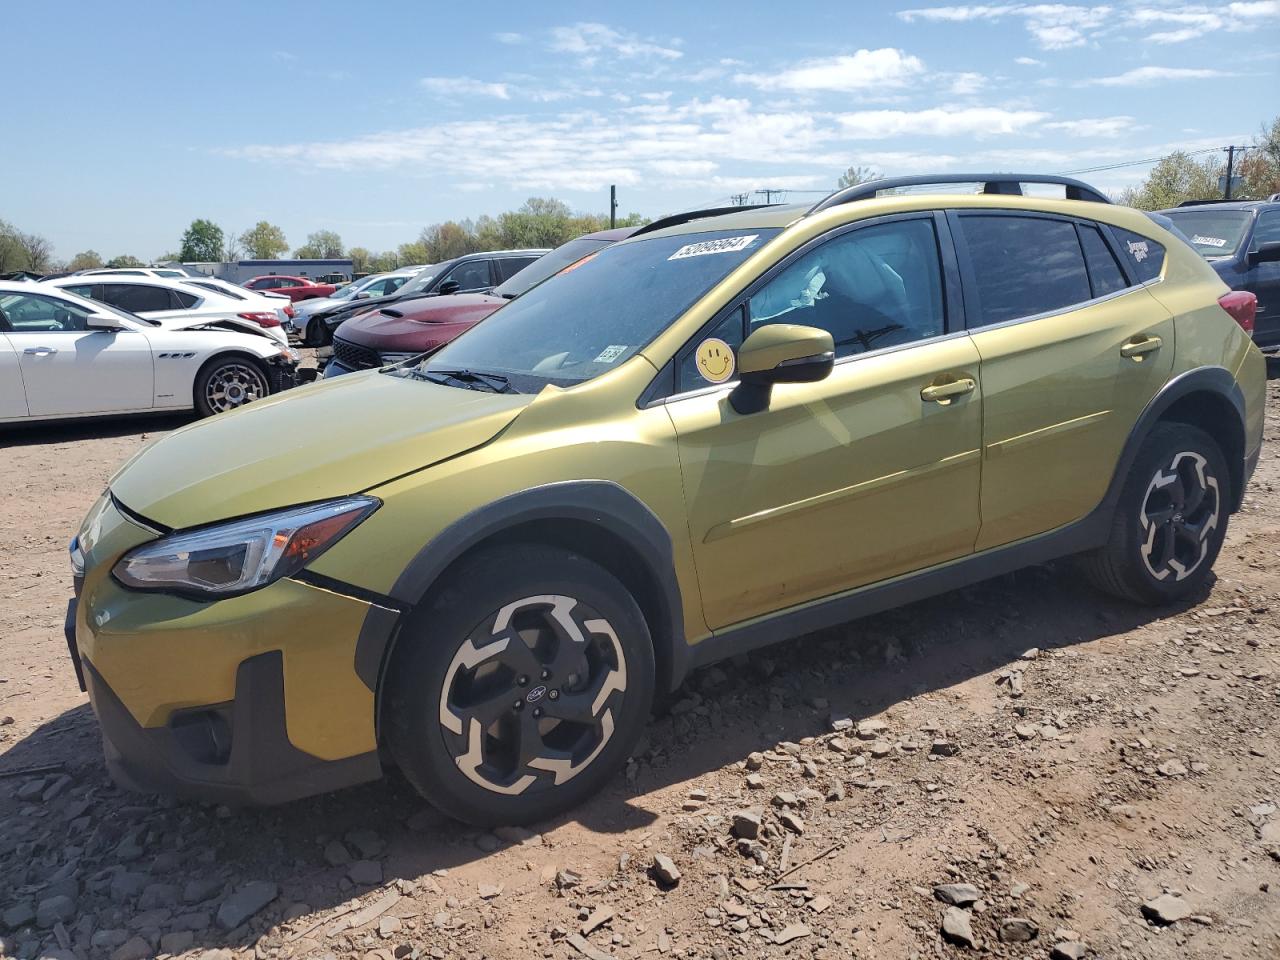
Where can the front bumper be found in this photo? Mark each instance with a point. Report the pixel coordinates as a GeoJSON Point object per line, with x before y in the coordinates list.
{"type": "Point", "coordinates": [236, 752]}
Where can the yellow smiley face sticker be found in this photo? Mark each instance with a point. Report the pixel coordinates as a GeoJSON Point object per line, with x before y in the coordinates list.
{"type": "Point", "coordinates": [715, 360]}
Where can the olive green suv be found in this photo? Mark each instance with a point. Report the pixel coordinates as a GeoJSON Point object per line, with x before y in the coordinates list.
{"type": "Point", "coordinates": [732, 428]}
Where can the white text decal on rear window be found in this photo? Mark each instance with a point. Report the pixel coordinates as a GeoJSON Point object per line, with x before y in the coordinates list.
{"type": "Point", "coordinates": [727, 245]}
{"type": "Point", "coordinates": [1138, 248]}
{"type": "Point", "coordinates": [1209, 241]}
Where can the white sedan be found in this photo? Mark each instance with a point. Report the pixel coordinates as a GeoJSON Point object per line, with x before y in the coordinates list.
{"type": "Point", "coordinates": [166, 300]}
{"type": "Point", "coordinates": [62, 355]}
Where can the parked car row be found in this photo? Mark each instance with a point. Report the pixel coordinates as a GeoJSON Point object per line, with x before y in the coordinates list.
{"type": "Point", "coordinates": [724, 430]}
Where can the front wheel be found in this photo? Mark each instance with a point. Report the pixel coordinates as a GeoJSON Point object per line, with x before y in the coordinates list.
{"type": "Point", "coordinates": [1171, 519]}
{"type": "Point", "coordinates": [225, 383]}
{"type": "Point", "coordinates": [521, 687]}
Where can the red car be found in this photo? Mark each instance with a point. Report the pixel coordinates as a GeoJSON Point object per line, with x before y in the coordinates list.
{"type": "Point", "coordinates": [295, 288]}
{"type": "Point", "coordinates": [405, 329]}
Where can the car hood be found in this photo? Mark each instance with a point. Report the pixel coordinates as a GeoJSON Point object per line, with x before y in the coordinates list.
{"type": "Point", "coordinates": [402, 325]}
{"type": "Point", "coordinates": [308, 444]}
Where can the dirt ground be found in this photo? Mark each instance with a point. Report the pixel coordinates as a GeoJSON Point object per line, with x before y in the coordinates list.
{"type": "Point", "coordinates": [1070, 757]}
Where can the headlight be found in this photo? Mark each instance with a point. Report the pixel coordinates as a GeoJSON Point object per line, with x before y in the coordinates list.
{"type": "Point", "coordinates": [389, 358]}
{"type": "Point", "coordinates": [233, 558]}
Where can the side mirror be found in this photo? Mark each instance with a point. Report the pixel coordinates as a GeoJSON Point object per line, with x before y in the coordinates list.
{"type": "Point", "coordinates": [363, 295]}
{"type": "Point", "coordinates": [448, 287]}
{"type": "Point", "coordinates": [102, 321]}
{"type": "Point", "coordinates": [780, 353]}
{"type": "Point", "coordinates": [1266, 253]}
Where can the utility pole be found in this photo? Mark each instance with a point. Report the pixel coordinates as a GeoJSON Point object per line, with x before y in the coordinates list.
{"type": "Point", "coordinates": [613, 206]}
{"type": "Point", "coordinates": [769, 192]}
{"type": "Point", "coordinates": [739, 199]}
{"type": "Point", "coordinates": [1231, 157]}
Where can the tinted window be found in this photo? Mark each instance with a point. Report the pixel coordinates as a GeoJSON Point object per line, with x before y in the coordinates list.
{"type": "Point", "coordinates": [1268, 229]}
{"type": "Point", "coordinates": [870, 288]}
{"type": "Point", "coordinates": [183, 299]}
{"type": "Point", "coordinates": [1212, 232]}
{"type": "Point", "coordinates": [508, 267]}
{"type": "Point", "coordinates": [214, 288]}
{"type": "Point", "coordinates": [1144, 256]}
{"type": "Point", "coordinates": [470, 275]}
{"type": "Point", "coordinates": [82, 289]}
{"type": "Point", "coordinates": [29, 313]}
{"type": "Point", "coordinates": [1104, 272]}
{"type": "Point", "coordinates": [595, 314]}
{"type": "Point", "coordinates": [135, 297]}
{"type": "Point", "coordinates": [730, 330]}
{"type": "Point", "coordinates": [1024, 266]}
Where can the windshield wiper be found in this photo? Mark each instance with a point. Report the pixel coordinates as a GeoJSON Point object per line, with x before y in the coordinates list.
{"type": "Point", "coordinates": [470, 379]}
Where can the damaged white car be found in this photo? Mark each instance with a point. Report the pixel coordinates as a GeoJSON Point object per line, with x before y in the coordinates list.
{"type": "Point", "coordinates": [62, 355]}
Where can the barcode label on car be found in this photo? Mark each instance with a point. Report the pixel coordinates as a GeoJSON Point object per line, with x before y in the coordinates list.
{"type": "Point", "coordinates": [727, 245]}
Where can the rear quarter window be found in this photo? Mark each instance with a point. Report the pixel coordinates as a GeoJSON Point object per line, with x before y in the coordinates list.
{"type": "Point", "coordinates": [1143, 256]}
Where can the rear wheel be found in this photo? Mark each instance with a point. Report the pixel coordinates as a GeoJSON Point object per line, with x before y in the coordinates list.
{"type": "Point", "coordinates": [225, 383]}
{"type": "Point", "coordinates": [521, 687]}
{"type": "Point", "coordinates": [1171, 519]}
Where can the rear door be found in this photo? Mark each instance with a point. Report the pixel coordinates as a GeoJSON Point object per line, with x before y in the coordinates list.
{"type": "Point", "coordinates": [71, 370]}
{"type": "Point", "coordinates": [1264, 281]}
{"type": "Point", "coordinates": [1070, 356]}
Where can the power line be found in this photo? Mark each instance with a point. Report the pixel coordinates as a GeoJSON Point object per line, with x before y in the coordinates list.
{"type": "Point", "coordinates": [1135, 163]}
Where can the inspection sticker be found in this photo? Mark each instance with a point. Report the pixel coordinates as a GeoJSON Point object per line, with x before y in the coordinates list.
{"type": "Point", "coordinates": [715, 360]}
{"type": "Point", "coordinates": [611, 353]}
{"type": "Point", "coordinates": [727, 245]}
{"type": "Point", "coordinates": [1209, 241]}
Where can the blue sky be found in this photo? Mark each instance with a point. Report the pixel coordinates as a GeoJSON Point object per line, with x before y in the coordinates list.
{"type": "Point", "coordinates": [376, 119]}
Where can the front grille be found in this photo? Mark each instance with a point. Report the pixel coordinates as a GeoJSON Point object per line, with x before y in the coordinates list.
{"type": "Point", "coordinates": [354, 356]}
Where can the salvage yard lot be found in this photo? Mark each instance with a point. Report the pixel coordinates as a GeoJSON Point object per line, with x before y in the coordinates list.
{"type": "Point", "coordinates": [1071, 757]}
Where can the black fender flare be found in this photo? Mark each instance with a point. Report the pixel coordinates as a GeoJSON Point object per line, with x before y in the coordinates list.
{"type": "Point", "coordinates": [1208, 379]}
{"type": "Point", "coordinates": [602, 503]}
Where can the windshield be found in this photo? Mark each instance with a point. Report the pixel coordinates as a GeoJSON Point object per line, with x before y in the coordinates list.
{"type": "Point", "coordinates": [422, 280]}
{"type": "Point", "coordinates": [548, 265]}
{"type": "Point", "coordinates": [599, 311]}
{"type": "Point", "coordinates": [1213, 233]}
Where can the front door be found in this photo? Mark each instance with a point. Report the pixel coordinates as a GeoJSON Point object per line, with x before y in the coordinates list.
{"type": "Point", "coordinates": [858, 478]}
{"type": "Point", "coordinates": [13, 396]}
{"type": "Point", "coordinates": [1070, 357]}
{"type": "Point", "coordinates": [70, 369]}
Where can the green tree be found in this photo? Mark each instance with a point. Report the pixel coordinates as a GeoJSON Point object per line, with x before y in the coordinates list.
{"type": "Point", "coordinates": [264, 241]}
{"type": "Point", "coordinates": [35, 252]}
{"type": "Point", "coordinates": [321, 245]}
{"type": "Point", "coordinates": [360, 260]}
{"type": "Point", "coordinates": [1176, 178]}
{"type": "Point", "coordinates": [854, 176]}
{"type": "Point", "coordinates": [11, 255]}
{"type": "Point", "coordinates": [416, 252]}
{"type": "Point", "coordinates": [385, 262]}
{"type": "Point", "coordinates": [1260, 166]}
{"type": "Point", "coordinates": [202, 243]}
{"type": "Point", "coordinates": [88, 260]}
{"type": "Point", "coordinates": [124, 260]}
{"type": "Point", "coordinates": [444, 241]}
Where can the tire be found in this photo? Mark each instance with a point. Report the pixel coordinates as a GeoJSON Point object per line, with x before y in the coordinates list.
{"type": "Point", "coordinates": [317, 333]}
{"type": "Point", "coordinates": [474, 728]}
{"type": "Point", "coordinates": [1170, 522]}
{"type": "Point", "coordinates": [229, 381]}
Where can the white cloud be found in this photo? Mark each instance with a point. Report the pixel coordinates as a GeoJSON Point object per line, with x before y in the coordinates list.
{"type": "Point", "coordinates": [977, 122]}
{"type": "Point", "coordinates": [863, 70]}
{"type": "Point", "coordinates": [1028, 62]}
{"type": "Point", "coordinates": [1149, 76]}
{"type": "Point", "coordinates": [1099, 127]}
{"type": "Point", "coordinates": [964, 84]}
{"type": "Point", "coordinates": [511, 39]}
{"type": "Point", "coordinates": [1055, 26]}
{"type": "Point", "coordinates": [590, 41]}
{"type": "Point", "coordinates": [463, 87]}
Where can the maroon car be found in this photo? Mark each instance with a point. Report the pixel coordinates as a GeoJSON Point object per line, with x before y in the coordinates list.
{"type": "Point", "coordinates": [408, 328]}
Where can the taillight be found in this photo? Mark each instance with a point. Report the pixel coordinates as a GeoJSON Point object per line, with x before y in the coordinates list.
{"type": "Point", "coordinates": [1243, 307]}
{"type": "Point", "coordinates": [261, 319]}
{"type": "Point", "coordinates": [290, 312]}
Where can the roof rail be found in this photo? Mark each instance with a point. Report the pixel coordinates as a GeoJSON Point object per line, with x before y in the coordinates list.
{"type": "Point", "coordinates": [1004, 183]}
{"type": "Point", "coordinates": [678, 218]}
{"type": "Point", "coordinates": [1197, 203]}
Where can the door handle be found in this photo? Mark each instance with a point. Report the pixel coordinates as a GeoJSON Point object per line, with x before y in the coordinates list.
{"type": "Point", "coordinates": [1140, 347]}
{"type": "Point", "coordinates": [39, 351]}
{"type": "Point", "coordinates": [946, 392]}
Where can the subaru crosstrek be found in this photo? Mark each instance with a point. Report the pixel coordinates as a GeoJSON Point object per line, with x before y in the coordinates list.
{"type": "Point", "coordinates": [725, 431]}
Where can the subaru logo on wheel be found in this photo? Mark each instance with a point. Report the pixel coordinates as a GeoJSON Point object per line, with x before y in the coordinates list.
{"type": "Point", "coordinates": [536, 694]}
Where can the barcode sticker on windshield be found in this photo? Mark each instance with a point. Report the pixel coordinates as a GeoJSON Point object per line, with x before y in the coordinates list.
{"type": "Point", "coordinates": [1209, 241]}
{"type": "Point", "coordinates": [727, 245]}
{"type": "Point", "coordinates": [611, 353]}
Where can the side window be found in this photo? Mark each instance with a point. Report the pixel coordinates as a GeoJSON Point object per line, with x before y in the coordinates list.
{"type": "Point", "coordinates": [29, 313]}
{"type": "Point", "coordinates": [182, 300]}
{"type": "Point", "coordinates": [392, 284]}
{"type": "Point", "coordinates": [1023, 266]}
{"type": "Point", "coordinates": [730, 330]}
{"type": "Point", "coordinates": [874, 287]}
{"type": "Point", "coordinates": [508, 267]}
{"type": "Point", "coordinates": [1144, 256]}
{"type": "Point", "coordinates": [1104, 272]}
{"type": "Point", "coordinates": [136, 297]}
{"type": "Point", "coordinates": [471, 275]}
{"type": "Point", "coordinates": [1267, 230]}
{"type": "Point", "coordinates": [81, 290]}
